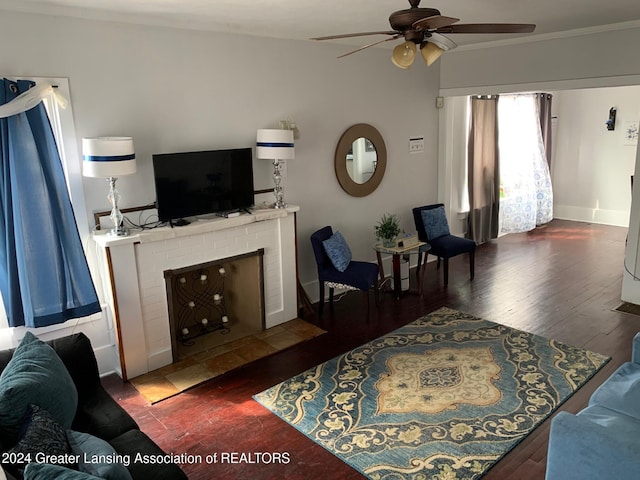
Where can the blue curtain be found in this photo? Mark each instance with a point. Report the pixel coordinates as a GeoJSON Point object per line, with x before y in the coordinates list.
{"type": "Point", "coordinates": [44, 276]}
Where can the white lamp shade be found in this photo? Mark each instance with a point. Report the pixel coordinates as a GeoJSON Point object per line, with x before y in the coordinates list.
{"type": "Point", "coordinates": [273, 144]}
{"type": "Point", "coordinates": [105, 157]}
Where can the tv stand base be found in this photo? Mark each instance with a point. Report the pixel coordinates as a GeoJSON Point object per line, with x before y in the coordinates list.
{"type": "Point", "coordinates": [231, 214]}
{"type": "Point", "coordinates": [181, 222]}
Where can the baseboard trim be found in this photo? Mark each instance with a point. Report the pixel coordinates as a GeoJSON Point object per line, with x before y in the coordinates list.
{"type": "Point", "coordinates": [616, 218]}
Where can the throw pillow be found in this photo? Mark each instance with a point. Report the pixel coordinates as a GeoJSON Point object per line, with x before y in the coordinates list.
{"type": "Point", "coordinates": [435, 222]}
{"type": "Point", "coordinates": [101, 458]}
{"type": "Point", "coordinates": [338, 251]}
{"type": "Point", "coordinates": [47, 471]}
{"type": "Point", "coordinates": [40, 433]}
{"type": "Point", "coordinates": [35, 375]}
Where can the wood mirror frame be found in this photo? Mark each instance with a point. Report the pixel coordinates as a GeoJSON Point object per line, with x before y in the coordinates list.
{"type": "Point", "coordinates": [350, 135]}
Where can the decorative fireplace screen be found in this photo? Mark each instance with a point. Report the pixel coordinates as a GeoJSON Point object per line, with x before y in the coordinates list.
{"type": "Point", "coordinates": [198, 305]}
{"type": "Point", "coordinates": [215, 298]}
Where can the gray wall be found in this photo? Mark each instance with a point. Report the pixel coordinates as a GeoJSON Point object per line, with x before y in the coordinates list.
{"type": "Point", "coordinates": [576, 59]}
{"type": "Point", "coordinates": [176, 90]}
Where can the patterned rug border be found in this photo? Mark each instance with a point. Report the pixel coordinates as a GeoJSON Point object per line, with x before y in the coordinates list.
{"type": "Point", "coordinates": [263, 399]}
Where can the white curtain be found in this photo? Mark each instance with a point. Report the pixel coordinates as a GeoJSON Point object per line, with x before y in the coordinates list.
{"type": "Point", "coordinates": [30, 99]}
{"type": "Point", "coordinates": [526, 196]}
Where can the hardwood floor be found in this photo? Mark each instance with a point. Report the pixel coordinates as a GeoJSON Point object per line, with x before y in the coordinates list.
{"type": "Point", "coordinates": [560, 281]}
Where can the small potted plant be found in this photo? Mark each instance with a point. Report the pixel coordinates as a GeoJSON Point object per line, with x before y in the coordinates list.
{"type": "Point", "coordinates": [387, 229]}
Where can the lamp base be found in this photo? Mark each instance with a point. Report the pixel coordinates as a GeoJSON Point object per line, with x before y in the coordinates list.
{"type": "Point", "coordinates": [278, 191]}
{"type": "Point", "coordinates": [118, 232]}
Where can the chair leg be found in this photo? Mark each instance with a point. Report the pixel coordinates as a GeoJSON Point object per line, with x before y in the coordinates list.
{"type": "Point", "coordinates": [321, 307]}
{"type": "Point", "coordinates": [438, 263]}
{"type": "Point", "coordinates": [419, 263]}
{"type": "Point", "coordinates": [376, 293]}
{"type": "Point", "coordinates": [446, 272]}
{"type": "Point", "coordinates": [422, 268]}
{"type": "Point", "coordinates": [365, 297]}
{"type": "Point", "coordinates": [472, 261]}
{"type": "Point", "coordinates": [331, 298]}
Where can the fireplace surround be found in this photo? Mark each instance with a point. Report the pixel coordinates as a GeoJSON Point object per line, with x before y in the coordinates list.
{"type": "Point", "coordinates": [133, 277]}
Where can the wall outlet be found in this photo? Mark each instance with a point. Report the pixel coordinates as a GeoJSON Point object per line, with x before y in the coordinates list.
{"type": "Point", "coordinates": [416, 145]}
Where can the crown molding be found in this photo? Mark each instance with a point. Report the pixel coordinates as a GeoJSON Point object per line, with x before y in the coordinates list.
{"type": "Point", "coordinates": [138, 18]}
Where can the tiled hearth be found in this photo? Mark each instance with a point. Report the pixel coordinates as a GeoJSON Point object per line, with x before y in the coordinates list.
{"type": "Point", "coordinates": [134, 284]}
{"type": "Point", "coordinates": [193, 370]}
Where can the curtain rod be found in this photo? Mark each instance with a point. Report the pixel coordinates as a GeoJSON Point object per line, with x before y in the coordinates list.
{"type": "Point", "coordinates": [489, 97]}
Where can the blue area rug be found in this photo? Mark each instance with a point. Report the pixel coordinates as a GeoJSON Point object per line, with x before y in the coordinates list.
{"type": "Point", "coordinates": [444, 397]}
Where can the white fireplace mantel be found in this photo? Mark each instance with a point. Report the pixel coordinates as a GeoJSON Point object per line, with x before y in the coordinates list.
{"type": "Point", "coordinates": [134, 286]}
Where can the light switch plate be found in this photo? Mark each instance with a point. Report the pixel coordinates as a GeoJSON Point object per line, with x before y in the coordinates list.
{"type": "Point", "coordinates": [416, 144]}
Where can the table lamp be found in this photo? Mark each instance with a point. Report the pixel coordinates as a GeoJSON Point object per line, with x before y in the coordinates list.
{"type": "Point", "coordinates": [276, 145]}
{"type": "Point", "coordinates": [110, 158]}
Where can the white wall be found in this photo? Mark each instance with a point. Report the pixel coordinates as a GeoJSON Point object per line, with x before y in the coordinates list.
{"type": "Point", "coordinates": [592, 166]}
{"type": "Point", "coordinates": [176, 90]}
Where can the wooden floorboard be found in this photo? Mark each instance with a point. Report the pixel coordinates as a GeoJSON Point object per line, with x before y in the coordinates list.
{"type": "Point", "coordinates": [561, 281]}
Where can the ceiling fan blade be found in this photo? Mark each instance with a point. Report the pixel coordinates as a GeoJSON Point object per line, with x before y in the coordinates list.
{"type": "Point", "coordinates": [441, 41]}
{"type": "Point", "coordinates": [370, 45]}
{"type": "Point", "coordinates": [488, 28]}
{"type": "Point", "coordinates": [431, 23]}
{"type": "Point", "coordinates": [349, 35]}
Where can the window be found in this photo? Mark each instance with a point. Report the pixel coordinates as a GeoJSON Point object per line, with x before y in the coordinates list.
{"type": "Point", "coordinates": [65, 133]}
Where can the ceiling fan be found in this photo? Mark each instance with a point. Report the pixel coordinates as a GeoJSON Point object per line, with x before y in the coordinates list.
{"type": "Point", "coordinates": [423, 27]}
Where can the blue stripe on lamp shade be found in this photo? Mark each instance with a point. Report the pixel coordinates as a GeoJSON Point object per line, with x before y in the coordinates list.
{"type": "Point", "coordinates": [274, 144]}
{"type": "Point", "coordinates": [106, 157]}
{"type": "Point", "coordinates": [111, 158]}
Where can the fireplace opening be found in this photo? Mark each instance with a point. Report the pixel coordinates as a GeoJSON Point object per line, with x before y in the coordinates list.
{"type": "Point", "coordinates": [214, 303]}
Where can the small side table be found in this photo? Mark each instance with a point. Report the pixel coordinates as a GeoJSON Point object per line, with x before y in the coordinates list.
{"type": "Point", "coordinates": [396, 253]}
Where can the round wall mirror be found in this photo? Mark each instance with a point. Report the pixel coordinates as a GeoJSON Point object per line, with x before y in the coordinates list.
{"type": "Point", "coordinates": [361, 159]}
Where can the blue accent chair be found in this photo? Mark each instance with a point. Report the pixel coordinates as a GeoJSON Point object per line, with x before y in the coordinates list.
{"type": "Point", "coordinates": [357, 275]}
{"type": "Point", "coordinates": [433, 228]}
{"type": "Point", "coordinates": [603, 440]}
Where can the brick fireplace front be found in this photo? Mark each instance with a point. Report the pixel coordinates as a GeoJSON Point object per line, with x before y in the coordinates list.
{"type": "Point", "coordinates": [135, 291]}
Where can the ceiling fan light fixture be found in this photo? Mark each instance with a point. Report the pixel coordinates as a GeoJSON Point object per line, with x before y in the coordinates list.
{"type": "Point", "coordinates": [425, 27]}
{"type": "Point", "coordinates": [404, 54]}
{"type": "Point", "coordinates": [430, 52]}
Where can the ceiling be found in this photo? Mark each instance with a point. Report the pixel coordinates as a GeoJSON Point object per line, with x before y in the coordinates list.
{"type": "Point", "coordinates": [302, 19]}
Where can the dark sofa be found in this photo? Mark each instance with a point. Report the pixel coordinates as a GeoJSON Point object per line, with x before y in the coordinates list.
{"type": "Point", "coordinates": [100, 415]}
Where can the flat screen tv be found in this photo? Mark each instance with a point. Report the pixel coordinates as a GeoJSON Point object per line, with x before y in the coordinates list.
{"type": "Point", "coordinates": [200, 183]}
